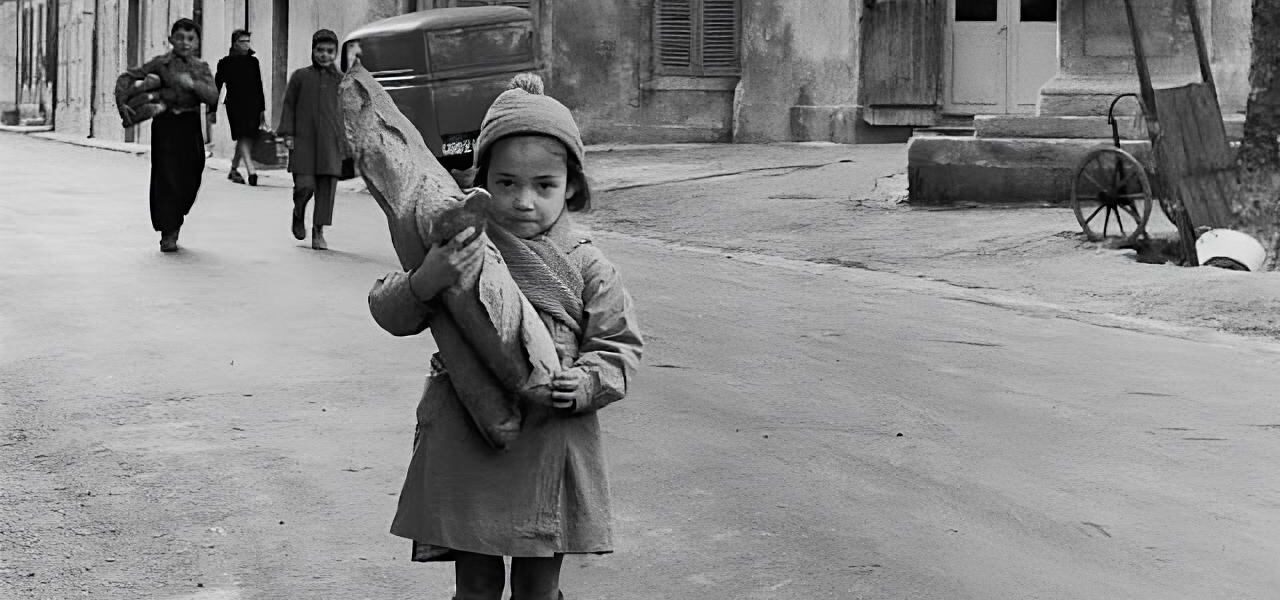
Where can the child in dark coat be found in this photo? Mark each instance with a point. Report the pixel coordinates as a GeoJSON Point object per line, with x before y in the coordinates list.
{"type": "Point", "coordinates": [311, 122]}
{"type": "Point", "coordinates": [177, 134]}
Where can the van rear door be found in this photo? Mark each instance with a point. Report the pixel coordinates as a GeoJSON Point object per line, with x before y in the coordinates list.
{"type": "Point", "coordinates": [470, 67]}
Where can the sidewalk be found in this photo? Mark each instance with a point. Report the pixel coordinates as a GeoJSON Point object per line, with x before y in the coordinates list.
{"type": "Point", "coordinates": [614, 166]}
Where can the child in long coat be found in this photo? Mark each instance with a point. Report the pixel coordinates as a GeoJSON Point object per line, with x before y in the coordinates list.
{"type": "Point", "coordinates": [547, 495]}
{"type": "Point", "coordinates": [311, 122]}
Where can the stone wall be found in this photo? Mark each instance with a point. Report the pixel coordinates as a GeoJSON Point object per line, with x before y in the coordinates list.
{"type": "Point", "coordinates": [796, 54]}
{"type": "Point", "coordinates": [8, 54]}
{"type": "Point", "coordinates": [602, 69]}
{"type": "Point", "coordinates": [1097, 58]}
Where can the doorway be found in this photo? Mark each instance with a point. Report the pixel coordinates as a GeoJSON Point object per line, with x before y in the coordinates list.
{"type": "Point", "coordinates": [133, 51]}
{"type": "Point", "coordinates": [279, 54]}
{"type": "Point", "coordinates": [1000, 52]}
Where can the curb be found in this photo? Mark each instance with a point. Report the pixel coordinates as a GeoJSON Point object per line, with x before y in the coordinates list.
{"type": "Point", "coordinates": [125, 147]}
{"type": "Point", "coordinates": [25, 128]}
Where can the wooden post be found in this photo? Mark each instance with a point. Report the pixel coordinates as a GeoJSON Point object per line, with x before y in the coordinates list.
{"type": "Point", "coordinates": [1144, 74]}
{"type": "Point", "coordinates": [1202, 52]}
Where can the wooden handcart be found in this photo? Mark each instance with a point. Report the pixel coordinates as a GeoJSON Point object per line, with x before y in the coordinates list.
{"type": "Point", "coordinates": [1194, 176]}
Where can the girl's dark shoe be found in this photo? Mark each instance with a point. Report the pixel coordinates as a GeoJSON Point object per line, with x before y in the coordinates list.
{"type": "Point", "coordinates": [317, 239]}
{"type": "Point", "coordinates": [253, 179]}
{"type": "Point", "coordinates": [299, 227]}
{"type": "Point", "coordinates": [169, 241]}
{"type": "Point", "coordinates": [235, 177]}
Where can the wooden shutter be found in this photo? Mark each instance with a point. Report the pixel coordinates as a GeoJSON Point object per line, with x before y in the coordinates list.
{"type": "Point", "coordinates": [519, 3]}
{"type": "Point", "coordinates": [902, 44]}
{"type": "Point", "coordinates": [720, 36]}
{"type": "Point", "coordinates": [674, 34]}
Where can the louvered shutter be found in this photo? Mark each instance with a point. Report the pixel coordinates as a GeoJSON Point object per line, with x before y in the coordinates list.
{"type": "Point", "coordinates": [519, 3]}
{"type": "Point", "coordinates": [674, 35]}
{"type": "Point", "coordinates": [719, 37]}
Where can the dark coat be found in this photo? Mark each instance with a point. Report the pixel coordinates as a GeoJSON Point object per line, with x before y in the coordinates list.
{"type": "Point", "coordinates": [245, 101]}
{"type": "Point", "coordinates": [312, 116]}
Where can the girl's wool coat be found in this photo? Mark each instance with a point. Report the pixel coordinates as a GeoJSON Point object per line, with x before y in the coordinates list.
{"type": "Point", "coordinates": [549, 492]}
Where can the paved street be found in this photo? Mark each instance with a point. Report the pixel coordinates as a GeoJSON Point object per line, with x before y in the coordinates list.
{"type": "Point", "coordinates": [228, 423]}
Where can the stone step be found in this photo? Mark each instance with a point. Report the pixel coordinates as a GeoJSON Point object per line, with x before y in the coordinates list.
{"type": "Point", "coordinates": [945, 170]}
{"type": "Point", "coordinates": [1093, 127]}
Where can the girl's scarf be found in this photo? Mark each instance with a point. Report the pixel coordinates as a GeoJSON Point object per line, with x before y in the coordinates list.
{"type": "Point", "coordinates": [543, 273]}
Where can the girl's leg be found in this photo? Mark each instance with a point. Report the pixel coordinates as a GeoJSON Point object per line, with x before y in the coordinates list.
{"type": "Point", "coordinates": [304, 186]}
{"type": "Point", "coordinates": [244, 151]}
{"type": "Point", "coordinates": [326, 187]}
{"type": "Point", "coordinates": [479, 576]}
{"type": "Point", "coordinates": [326, 190]}
{"type": "Point", "coordinates": [536, 578]}
{"type": "Point", "coordinates": [234, 173]}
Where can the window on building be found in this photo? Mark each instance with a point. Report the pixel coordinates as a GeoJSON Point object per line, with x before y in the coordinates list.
{"type": "Point", "coordinates": [696, 37]}
{"type": "Point", "coordinates": [1042, 11]}
{"type": "Point", "coordinates": [976, 10]}
{"type": "Point", "coordinates": [521, 3]}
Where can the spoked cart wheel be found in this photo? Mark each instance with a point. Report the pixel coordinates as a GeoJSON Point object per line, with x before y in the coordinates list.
{"type": "Point", "coordinates": [1111, 190]}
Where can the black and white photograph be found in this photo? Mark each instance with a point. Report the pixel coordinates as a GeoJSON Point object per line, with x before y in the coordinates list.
{"type": "Point", "coordinates": [639, 299]}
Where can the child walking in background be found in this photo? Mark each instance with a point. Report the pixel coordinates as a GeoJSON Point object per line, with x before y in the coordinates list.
{"type": "Point", "coordinates": [311, 123]}
{"type": "Point", "coordinates": [177, 134]}
{"type": "Point", "coordinates": [246, 105]}
{"type": "Point", "coordinates": [547, 495]}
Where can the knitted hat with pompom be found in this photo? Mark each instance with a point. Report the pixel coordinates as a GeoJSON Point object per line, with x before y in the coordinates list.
{"type": "Point", "coordinates": [524, 109]}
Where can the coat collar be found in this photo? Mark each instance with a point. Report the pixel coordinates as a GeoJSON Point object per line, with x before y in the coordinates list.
{"type": "Point", "coordinates": [563, 233]}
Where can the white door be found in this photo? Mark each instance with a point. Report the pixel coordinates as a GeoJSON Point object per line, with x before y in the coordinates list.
{"type": "Point", "coordinates": [1000, 52]}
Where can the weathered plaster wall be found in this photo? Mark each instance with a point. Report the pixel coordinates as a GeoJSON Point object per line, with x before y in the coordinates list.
{"type": "Point", "coordinates": [341, 16]}
{"type": "Point", "coordinates": [601, 70]}
{"type": "Point", "coordinates": [8, 53]}
{"type": "Point", "coordinates": [1096, 51]}
{"type": "Point", "coordinates": [75, 63]}
{"type": "Point", "coordinates": [1230, 26]}
{"type": "Point", "coordinates": [795, 54]}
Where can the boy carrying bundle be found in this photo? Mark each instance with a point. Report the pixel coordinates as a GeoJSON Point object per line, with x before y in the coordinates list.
{"type": "Point", "coordinates": [169, 89]}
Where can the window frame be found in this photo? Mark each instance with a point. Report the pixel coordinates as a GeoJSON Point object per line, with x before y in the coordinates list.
{"type": "Point", "coordinates": [696, 68]}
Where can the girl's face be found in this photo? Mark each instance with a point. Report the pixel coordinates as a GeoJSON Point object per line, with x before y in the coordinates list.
{"type": "Point", "coordinates": [185, 42]}
{"type": "Point", "coordinates": [324, 53]}
{"type": "Point", "coordinates": [243, 43]}
{"type": "Point", "coordinates": [528, 177]}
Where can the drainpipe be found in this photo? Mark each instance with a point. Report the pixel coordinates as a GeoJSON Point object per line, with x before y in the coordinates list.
{"type": "Point", "coordinates": [17, 71]}
{"type": "Point", "coordinates": [51, 58]}
{"type": "Point", "coordinates": [93, 68]}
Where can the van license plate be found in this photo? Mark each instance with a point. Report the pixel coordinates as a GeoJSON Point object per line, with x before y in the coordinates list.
{"type": "Point", "coordinates": [455, 145]}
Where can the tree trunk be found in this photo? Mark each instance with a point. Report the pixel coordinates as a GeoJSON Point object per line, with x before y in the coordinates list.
{"type": "Point", "coordinates": [1258, 212]}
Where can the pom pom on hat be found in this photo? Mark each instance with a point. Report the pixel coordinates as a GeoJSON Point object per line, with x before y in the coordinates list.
{"type": "Point", "coordinates": [522, 110]}
{"type": "Point", "coordinates": [529, 82]}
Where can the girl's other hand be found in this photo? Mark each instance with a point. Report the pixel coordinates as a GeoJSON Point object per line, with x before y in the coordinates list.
{"type": "Point", "coordinates": [567, 388]}
{"type": "Point", "coordinates": [184, 80]}
{"type": "Point", "coordinates": [455, 260]}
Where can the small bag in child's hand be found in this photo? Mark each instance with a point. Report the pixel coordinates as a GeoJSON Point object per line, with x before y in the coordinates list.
{"type": "Point", "coordinates": [348, 169]}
